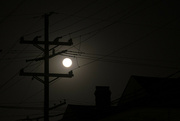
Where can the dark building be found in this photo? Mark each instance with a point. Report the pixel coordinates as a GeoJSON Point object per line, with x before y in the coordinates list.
{"type": "Point", "coordinates": [144, 99]}
{"type": "Point", "coordinates": [91, 113]}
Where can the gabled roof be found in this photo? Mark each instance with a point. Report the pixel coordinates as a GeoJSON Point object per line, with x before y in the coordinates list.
{"type": "Point", "coordinates": [151, 91]}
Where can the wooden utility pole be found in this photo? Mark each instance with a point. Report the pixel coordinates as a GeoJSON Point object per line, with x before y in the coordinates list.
{"type": "Point", "coordinates": [46, 68]}
{"type": "Point", "coordinates": [46, 57]}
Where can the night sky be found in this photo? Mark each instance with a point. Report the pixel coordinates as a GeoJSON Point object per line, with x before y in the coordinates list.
{"type": "Point", "coordinates": [113, 39]}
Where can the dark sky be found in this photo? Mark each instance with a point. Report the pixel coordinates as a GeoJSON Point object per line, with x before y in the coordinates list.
{"type": "Point", "coordinates": [113, 39]}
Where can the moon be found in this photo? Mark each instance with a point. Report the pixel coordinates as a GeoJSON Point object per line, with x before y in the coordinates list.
{"type": "Point", "coordinates": [67, 62]}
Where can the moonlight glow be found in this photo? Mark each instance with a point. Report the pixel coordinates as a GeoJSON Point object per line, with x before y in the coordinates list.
{"type": "Point", "coordinates": [67, 62]}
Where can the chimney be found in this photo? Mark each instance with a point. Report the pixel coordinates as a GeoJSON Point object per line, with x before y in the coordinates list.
{"type": "Point", "coordinates": [102, 96]}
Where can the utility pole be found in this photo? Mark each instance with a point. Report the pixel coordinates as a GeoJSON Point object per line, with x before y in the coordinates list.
{"type": "Point", "coordinates": [46, 68]}
{"type": "Point", "coordinates": [46, 57]}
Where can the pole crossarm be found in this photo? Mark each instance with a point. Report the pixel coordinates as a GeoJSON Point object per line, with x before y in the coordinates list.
{"type": "Point", "coordinates": [35, 41]}
{"type": "Point", "coordinates": [22, 73]}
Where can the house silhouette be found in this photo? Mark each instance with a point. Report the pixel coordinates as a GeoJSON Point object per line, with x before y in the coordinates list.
{"type": "Point", "coordinates": [143, 99]}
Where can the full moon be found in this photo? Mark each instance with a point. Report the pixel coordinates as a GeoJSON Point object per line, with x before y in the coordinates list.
{"type": "Point", "coordinates": [67, 62]}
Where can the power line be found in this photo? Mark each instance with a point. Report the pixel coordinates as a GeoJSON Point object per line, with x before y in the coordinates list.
{"type": "Point", "coordinates": [104, 20]}
{"type": "Point", "coordinates": [108, 25]}
{"type": "Point", "coordinates": [85, 18]}
{"type": "Point", "coordinates": [18, 107]}
{"type": "Point", "coordinates": [12, 11]}
{"type": "Point", "coordinates": [38, 92]}
{"type": "Point", "coordinates": [16, 74]}
{"type": "Point", "coordinates": [13, 46]}
{"type": "Point", "coordinates": [91, 24]}
{"type": "Point", "coordinates": [130, 43]}
{"type": "Point", "coordinates": [40, 117]}
{"type": "Point", "coordinates": [4, 84]}
{"type": "Point", "coordinates": [128, 62]}
{"type": "Point", "coordinates": [99, 22]}
{"type": "Point", "coordinates": [81, 9]}
{"type": "Point", "coordinates": [111, 57]}
{"type": "Point", "coordinates": [99, 30]}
